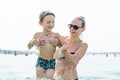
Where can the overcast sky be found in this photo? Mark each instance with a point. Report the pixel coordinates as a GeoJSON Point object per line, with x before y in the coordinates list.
{"type": "Point", "coordinates": [19, 21]}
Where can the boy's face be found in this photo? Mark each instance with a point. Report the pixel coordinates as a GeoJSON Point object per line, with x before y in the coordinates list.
{"type": "Point", "coordinates": [48, 23]}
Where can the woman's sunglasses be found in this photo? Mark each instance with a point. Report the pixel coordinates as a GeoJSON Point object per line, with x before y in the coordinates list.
{"type": "Point", "coordinates": [74, 26]}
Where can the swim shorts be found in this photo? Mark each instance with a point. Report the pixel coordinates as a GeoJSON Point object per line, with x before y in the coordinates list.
{"type": "Point", "coordinates": [46, 64]}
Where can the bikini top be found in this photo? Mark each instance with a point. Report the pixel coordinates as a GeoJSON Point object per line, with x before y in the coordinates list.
{"type": "Point", "coordinates": [72, 52]}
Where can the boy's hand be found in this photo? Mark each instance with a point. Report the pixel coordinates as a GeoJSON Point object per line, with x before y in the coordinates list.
{"type": "Point", "coordinates": [32, 43]}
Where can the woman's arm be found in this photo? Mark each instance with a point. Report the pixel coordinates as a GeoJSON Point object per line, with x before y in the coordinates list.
{"type": "Point", "coordinates": [59, 54]}
{"type": "Point", "coordinates": [74, 58]}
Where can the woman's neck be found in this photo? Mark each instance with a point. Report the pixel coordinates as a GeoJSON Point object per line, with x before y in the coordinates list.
{"type": "Point", "coordinates": [74, 39]}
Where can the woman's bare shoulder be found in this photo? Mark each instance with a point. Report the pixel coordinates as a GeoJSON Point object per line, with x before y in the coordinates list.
{"type": "Point", "coordinates": [84, 44]}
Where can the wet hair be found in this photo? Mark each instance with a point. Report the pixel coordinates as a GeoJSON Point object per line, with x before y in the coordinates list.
{"type": "Point", "coordinates": [43, 14]}
{"type": "Point", "coordinates": [81, 18]}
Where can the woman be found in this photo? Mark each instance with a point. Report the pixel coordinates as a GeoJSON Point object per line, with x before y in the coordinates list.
{"type": "Point", "coordinates": [71, 52]}
{"type": "Point", "coordinates": [46, 42]}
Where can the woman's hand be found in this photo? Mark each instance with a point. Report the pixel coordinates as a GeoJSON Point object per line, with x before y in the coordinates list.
{"type": "Point", "coordinates": [64, 47]}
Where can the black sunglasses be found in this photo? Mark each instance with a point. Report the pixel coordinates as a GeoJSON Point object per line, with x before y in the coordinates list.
{"type": "Point", "coordinates": [75, 27]}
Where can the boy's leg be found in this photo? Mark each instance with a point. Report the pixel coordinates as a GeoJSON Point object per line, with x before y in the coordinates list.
{"type": "Point", "coordinates": [49, 74]}
{"type": "Point", "coordinates": [39, 72]}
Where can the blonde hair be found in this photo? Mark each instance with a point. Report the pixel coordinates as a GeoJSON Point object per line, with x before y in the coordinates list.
{"type": "Point", "coordinates": [81, 18]}
{"type": "Point", "coordinates": [43, 14]}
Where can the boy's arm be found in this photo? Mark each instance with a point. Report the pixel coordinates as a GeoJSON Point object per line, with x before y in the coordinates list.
{"type": "Point", "coordinates": [34, 41]}
{"type": "Point", "coordinates": [61, 39]}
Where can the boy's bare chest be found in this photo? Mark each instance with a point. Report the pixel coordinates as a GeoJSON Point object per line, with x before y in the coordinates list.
{"type": "Point", "coordinates": [49, 39]}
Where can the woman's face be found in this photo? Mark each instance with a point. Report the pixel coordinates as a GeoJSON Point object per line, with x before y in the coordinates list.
{"type": "Point", "coordinates": [48, 23]}
{"type": "Point", "coordinates": [75, 27]}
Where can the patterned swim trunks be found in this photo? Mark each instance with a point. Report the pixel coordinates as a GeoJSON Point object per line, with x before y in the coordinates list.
{"type": "Point", "coordinates": [46, 64]}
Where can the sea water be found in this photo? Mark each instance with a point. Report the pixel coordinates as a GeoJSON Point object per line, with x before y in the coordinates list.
{"type": "Point", "coordinates": [90, 67]}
